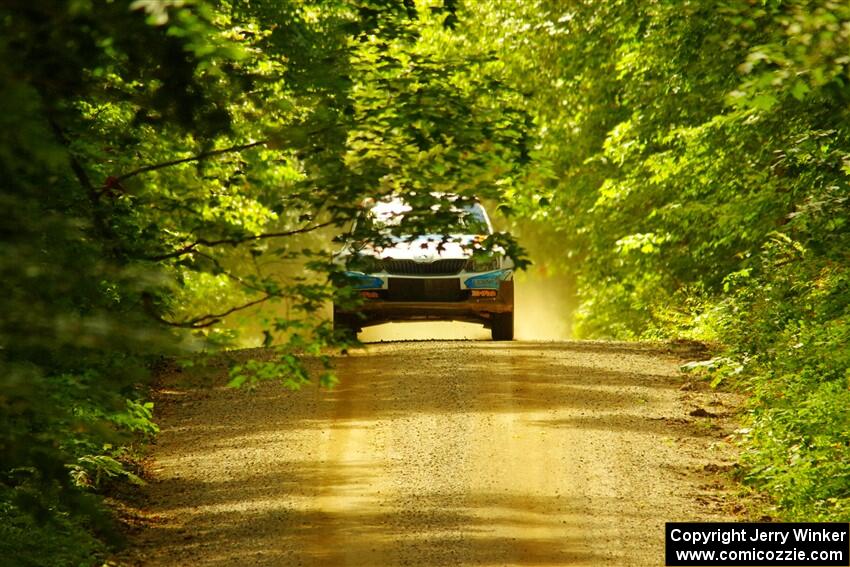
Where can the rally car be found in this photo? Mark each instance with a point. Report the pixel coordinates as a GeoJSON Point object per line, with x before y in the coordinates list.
{"type": "Point", "coordinates": [427, 277]}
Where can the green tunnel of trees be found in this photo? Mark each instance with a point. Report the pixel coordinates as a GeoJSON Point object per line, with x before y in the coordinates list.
{"type": "Point", "coordinates": [690, 159]}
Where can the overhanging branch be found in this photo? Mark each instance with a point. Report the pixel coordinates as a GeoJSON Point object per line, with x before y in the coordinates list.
{"type": "Point", "coordinates": [234, 241]}
{"type": "Point", "coordinates": [204, 320]}
{"type": "Point", "coordinates": [198, 157]}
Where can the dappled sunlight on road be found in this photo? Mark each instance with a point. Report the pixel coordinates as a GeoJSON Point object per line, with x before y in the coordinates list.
{"type": "Point", "coordinates": [431, 453]}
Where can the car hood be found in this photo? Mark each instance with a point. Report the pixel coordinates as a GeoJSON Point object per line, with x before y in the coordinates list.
{"type": "Point", "coordinates": [426, 248]}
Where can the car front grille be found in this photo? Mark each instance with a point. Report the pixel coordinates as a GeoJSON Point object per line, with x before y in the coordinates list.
{"type": "Point", "coordinates": [445, 267]}
{"type": "Point", "coordinates": [426, 289]}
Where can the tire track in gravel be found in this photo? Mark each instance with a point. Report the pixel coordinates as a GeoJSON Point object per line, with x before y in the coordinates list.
{"type": "Point", "coordinates": [437, 453]}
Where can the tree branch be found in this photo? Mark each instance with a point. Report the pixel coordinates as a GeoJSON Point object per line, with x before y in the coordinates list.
{"type": "Point", "coordinates": [204, 320]}
{"type": "Point", "coordinates": [112, 181]}
{"type": "Point", "coordinates": [200, 156]}
{"type": "Point", "coordinates": [204, 242]}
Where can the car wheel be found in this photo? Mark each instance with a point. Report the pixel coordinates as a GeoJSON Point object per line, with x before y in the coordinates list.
{"type": "Point", "coordinates": [346, 324]}
{"type": "Point", "coordinates": [502, 328]}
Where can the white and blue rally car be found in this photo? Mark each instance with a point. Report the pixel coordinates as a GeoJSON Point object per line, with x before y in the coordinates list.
{"type": "Point", "coordinates": [427, 277]}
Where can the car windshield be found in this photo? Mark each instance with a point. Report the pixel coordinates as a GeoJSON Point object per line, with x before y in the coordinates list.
{"type": "Point", "coordinates": [388, 214]}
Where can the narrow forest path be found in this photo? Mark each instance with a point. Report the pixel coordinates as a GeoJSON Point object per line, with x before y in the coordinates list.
{"type": "Point", "coordinates": [438, 453]}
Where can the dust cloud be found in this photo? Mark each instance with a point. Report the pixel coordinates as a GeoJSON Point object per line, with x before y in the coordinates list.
{"type": "Point", "coordinates": [543, 306]}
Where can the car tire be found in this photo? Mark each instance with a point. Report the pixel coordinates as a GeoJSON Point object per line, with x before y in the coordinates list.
{"type": "Point", "coordinates": [502, 327]}
{"type": "Point", "coordinates": [345, 324]}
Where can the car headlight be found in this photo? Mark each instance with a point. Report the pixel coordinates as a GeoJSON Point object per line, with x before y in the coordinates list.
{"type": "Point", "coordinates": [482, 263]}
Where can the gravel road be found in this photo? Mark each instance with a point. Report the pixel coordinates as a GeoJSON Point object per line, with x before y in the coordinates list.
{"type": "Point", "coordinates": [438, 453]}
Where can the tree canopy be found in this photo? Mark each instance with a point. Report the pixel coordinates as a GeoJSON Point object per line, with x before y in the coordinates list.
{"type": "Point", "coordinates": [690, 159]}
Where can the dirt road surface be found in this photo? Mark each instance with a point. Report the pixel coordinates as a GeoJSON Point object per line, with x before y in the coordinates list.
{"type": "Point", "coordinates": [438, 453]}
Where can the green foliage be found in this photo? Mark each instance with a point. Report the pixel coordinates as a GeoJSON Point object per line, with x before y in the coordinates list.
{"type": "Point", "coordinates": [169, 164]}
{"type": "Point", "coordinates": [63, 539]}
{"type": "Point", "coordinates": [700, 187]}
{"type": "Point", "coordinates": [172, 164]}
{"type": "Point", "coordinates": [93, 470]}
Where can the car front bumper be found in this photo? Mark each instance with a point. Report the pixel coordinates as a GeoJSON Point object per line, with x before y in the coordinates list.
{"type": "Point", "coordinates": [391, 305]}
